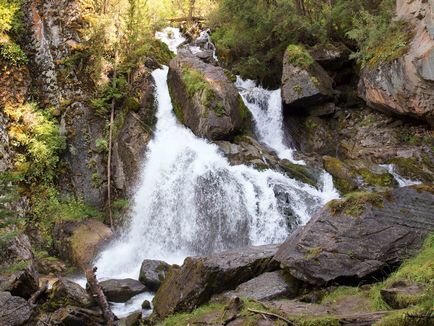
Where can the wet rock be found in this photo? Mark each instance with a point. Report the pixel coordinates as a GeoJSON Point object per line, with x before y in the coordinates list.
{"type": "Point", "coordinates": [146, 305]}
{"type": "Point", "coordinates": [199, 278]}
{"type": "Point", "coordinates": [152, 273]}
{"type": "Point", "coordinates": [400, 294]}
{"type": "Point", "coordinates": [344, 178]}
{"type": "Point", "coordinates": [303, 87]}
{"type": "Point", "coordinates": [78, 242]}
{"type": "Point", "coordinates": [359, 237]}
{"type": "Point", "coordinates": [15, 311]}
{"type": "Point", "coordinates": [122, 290]}
{"type": "Point", "coordinates": [19, 275]}
{"type": "Point", "coordinates": [72, 316]}
{"type": "Point", "coordinates": [205, 100]}
{"type": "Point", "coordinates": [267, 286]}
{"type": "Point", "coordinates": [404, 86]}
{"type": "Point", "coordinates": [65, 292]}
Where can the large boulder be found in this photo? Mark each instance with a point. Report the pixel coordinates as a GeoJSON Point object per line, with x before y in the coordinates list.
{"type": "Point", "coordinates": [152, 273]}
{"type": "Point", "coordinates": [304, 82]}
{"type": "Point", "coordinates": [14, 311]}
{"type": "Point", "coordinates": [78, 242]}
{"type": "Point", "coordinates": [17, 266]}
{"type": "Point", "coordinates": [71, 316]}
{"type": "Point", "coordinates": [405, 86]}
{"type": "Point", "coordinates": [122, 290]}
{"type": "Point", "coordinates": [205, 99]}
{"type": "Point", "coordinates": [65, 292]}
{"type": "Point", "coordinates": [199, 278]}
{"type": "Point", "coordinates": [360, 236]}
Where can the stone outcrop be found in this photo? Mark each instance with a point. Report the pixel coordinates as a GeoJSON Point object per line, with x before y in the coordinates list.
{"type": "Point", "coordinates": [19, 276]}
{"type": "Point", "coordinates": [360, 236]}
{"type": "Point", "coordinates": [15, 311]}
{"type": "Point", "coordinates": [71, 315]}
{"type": "Point", "coordinates": [121, 290]}
{"type": "Point", "coordinates": [153, 273]}
{"type": "Point", "coordinates": [78, 242]}
{"type": "Point", "coordinates": [131, 142]}
{"type": "Point", "coordinates": [303, 87]}
{"type": "Point", "coordinates": [401, 294]}
{"type": "Point", "coordinates": [205, 99]}
{"type": "Point", "coordinates": [199, 278]}
{"type": "Point", "coordinates": [405, 86]}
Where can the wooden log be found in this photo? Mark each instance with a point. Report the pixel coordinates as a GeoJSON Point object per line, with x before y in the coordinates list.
{"type": "Point", "coordinates": [97, 293]}
{"type": "Point", "coordinates": [35, 296]}
{"type": "Point", "coordinates": [185, 19]}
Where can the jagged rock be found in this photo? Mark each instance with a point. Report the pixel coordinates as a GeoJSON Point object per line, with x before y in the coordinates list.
{"type": "Point", "coordinates": [17, 263]}
{"type": "Point", "coordinates": [65, 292]}
{"type": "Point", "coordinates": [15, 311]}
{"type": "Point", "coordinates": [122, 290]}
{"type": "Point", "coordinates": [330, 56]}
{"type": "Point", "coordinates": [267, 286]}
{"type": "Point", "coordinates": [152, 273]}
{"type": "Point", "coordinates": [399, 294]}
{"type": "Point", "coordinates": [205, 100]}
{"type": "Point", "coordinates": [199, 278]}
{"type": "Point", "coordinates": [146, 305]}
{"type": "Point", "coordinates": [78, 242]}
{"type": "Point", "coordinates": [304, 87]}
{"type": "Point", "coordinates": [360, 236]}
{"type": "Point", "coordinates": [405, 86]}
{"type": "Point", "coordinates": [130, 145]}
{"type": "Point", "coordinates": [72, 316]}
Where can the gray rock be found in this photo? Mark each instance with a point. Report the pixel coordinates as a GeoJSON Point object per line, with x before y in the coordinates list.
{"type": "Point", "coordinates": [122, 290]}
{"type": "Point", "coordinates": [267, 286]}
{"type": "Point", "coordinates": [152, 273]}
{"type": "Point", "coordinates": [404, 86]}
{"type": "Point", "coordinates": [66, 291]}
{"type": "Point", "coordinates": [358, 237]}
{"type": "Point", "coordinates": [146, 305]}
{"type": "Point", "coordinates": [15, 311]}
{"type": "Point", "coordinates": [205, 100]}
{"type": "Point", "coordinates": [74, 316]}
{"type": "Point", "coordinates": [399, 294]}
{"type": "Point", "coordinates": [199, 278]}
{"type": "Point", "coordinates": [302, 88]}
{"type": "Point", "coordinates": [131, 320]}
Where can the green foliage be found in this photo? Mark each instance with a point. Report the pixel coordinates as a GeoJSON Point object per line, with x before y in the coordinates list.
{"type": "Point", "coordinates": [298, 56]}
{"type": "Point", "coordinates": [36, 137]}
{"type": "Point", "coordinates": [186, 318]}
{"type": "Point", "coordinates": [15, 267]}
{"type": "Point", "coordinates": [101, 145]}
{"type": "Point", "coordinates": [9, 15]}
{"type": "Point", "coordinates": [378, 37]}
{"type": "Point", "coordinates": [13, 54]}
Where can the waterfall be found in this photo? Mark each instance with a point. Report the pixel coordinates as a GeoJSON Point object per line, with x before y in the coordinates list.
{"type": "Point", "coordinates": [191, 201]}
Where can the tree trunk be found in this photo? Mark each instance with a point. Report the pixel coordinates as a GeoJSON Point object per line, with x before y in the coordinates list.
{"type": "Point", "coordinates": [98, 294]}
{"type": "Point", "coordinates": [190, 11]}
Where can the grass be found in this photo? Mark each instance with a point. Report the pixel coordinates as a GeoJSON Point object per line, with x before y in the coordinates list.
{"type": "Point", "coordinates": [384, 179]}
{"type": "Point", "coordinates": [197, 314]}
{"type": "Point", "coordinates": [354, 204]}
{"type": "Point", "coordinates": [15, 267]}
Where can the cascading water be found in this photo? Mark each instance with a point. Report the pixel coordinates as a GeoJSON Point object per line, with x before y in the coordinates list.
{"type": "Point", "coordinates": [403, 182]}
{"type": "Point", "coordinates": [192, 201]}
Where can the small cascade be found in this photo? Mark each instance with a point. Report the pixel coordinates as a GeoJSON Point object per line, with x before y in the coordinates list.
{"type": "Point", "coordinates": [403, 182]}
{"type": "Point", "coordinates": [172, 37]}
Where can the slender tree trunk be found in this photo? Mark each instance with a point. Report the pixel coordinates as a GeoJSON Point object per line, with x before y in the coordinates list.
{"type": "Point", "coordinates": [112, 118]}
{"type": "Point", "coordinates": [190, 11]}
{"type": "Point", "coordinates": [300, 7]}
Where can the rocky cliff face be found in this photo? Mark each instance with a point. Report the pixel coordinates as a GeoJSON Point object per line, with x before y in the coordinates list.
{"type": "Point", "coordinates": [405, 86]}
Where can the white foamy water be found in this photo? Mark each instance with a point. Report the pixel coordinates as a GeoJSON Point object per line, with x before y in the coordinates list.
{"type": "Point", "coordinates": [266, 108]}
{"type": "Point", "coordinates": [172, 37]}
{"type": "Point", "coordinates": [403, 182]}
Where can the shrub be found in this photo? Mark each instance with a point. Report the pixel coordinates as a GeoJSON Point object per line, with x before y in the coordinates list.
{"type": "Point", "coordinates": [298, 56]}
{"type": "Point", "coordinates": [13, 54]}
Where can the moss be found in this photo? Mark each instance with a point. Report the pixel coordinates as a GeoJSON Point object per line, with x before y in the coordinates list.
{"type": "Point", "coordinates": [299, 172]}
{"type": "Point", "coordinates": [343, 177]}
{"type": "Point", "coordinates": [298, 56]}
{"type": "Point", "coordinates": [298, 89]}
{"type": "Point", "coordinates": [383, 179]}
{"type": "Point", "coordinates": [316, 321]}
{"type": "Point", "coordinates": [195, 316]}
{"type": "Point", "coordinates": [354, 204]}
{"type": "Point", "coordinates": [424, 188]}
{"type": "Point", "coordinates": [230, 76]}
{"type": "Point", "coordinates": [339, 293]}
{"type": "Point", "coordinates": [193, 81]}
{"type": "Point", "coordinates": [411, 168]}
{"type": "Point", "coordinates": [176, 107]}
{"type": "Point", "coordinates": [15, 267]}
{"type": "Point", "coordinates": [314, 252]}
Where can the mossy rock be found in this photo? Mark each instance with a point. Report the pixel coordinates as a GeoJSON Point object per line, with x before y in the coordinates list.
{"type": "Point", "coordinates": [299, 172]}
{"type": "Point", "coordinates": [354, 204]}
{"type": "Point", "coordinates": [344, 178]}
{"type": "Point", "coordinates": [380, 179]}
{"type": "Point", "coordinates": [414, 169]}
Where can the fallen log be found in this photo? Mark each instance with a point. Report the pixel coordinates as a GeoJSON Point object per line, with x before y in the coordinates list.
{"type": "Point", "coordinates": [184, 19]}
{"type": "Point", "coordinates": [100, 297]}
{"type": "Point", "coordinates": [35, 296]}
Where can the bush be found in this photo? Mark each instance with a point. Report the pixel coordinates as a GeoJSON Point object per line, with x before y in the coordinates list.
{"type": "Point", "coordinates": [298, 56]}
{"type": "Point", "coordinates": [13, 54]}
